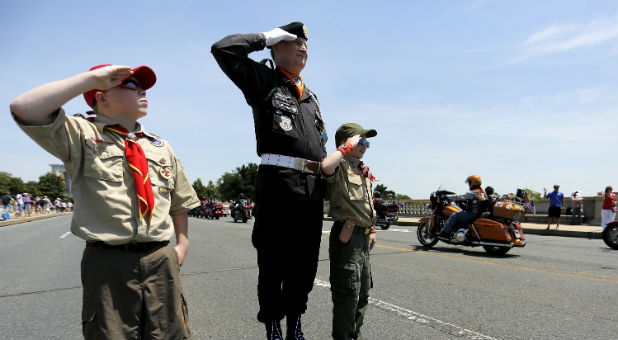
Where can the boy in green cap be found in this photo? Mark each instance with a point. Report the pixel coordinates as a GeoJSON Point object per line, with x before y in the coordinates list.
{"type": "Point", "coordinates": [353, 233]}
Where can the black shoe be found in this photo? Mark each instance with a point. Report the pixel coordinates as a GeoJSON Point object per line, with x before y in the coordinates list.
{"type": "Point", "coordinates": [294, 331]}
{"type": "Point", "coordinates": [444, 236]}
{"type": "Point", "coordinates": [273, 330]}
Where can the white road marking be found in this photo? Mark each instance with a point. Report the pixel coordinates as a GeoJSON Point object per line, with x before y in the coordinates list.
{"type": "Point", "coordinates": [399, 230]}
{"type": "Point", "coordinates": [420, 318]}
{"type": "Point", "coordinates": [65, 234]}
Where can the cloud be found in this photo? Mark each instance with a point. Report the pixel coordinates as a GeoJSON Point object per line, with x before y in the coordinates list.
{"type": "Point", "coordinates": [566, 37]}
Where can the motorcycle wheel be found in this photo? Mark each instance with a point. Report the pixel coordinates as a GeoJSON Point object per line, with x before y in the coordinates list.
{"type": "Point", "coordinates": [426, 239]}
{"type": "Point", "coordinates": [610, 235]}
{"type": "Point", "coordinates": [235, 219]}
{"type": "Point", "coordinates": [385, 226]}
{"type": "Point", "coordinates": [496, 250]}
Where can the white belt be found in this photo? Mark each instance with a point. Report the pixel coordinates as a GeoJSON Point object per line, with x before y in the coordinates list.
{"type": "Point", "coordinates": [299, 164]}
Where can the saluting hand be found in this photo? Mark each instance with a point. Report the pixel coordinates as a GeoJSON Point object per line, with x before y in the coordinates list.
{"type": "Point", "coordinates": [107, 77]}
{"type": "Point", "coordinates": [353, 140]}
{"type": "Point", "coordinates": [276, 36]}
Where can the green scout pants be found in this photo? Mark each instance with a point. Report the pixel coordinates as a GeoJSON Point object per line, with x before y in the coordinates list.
{"type": "Point", "coordinates": [133, 294]}
{"type": "Point", "coordinates": [350, 281]}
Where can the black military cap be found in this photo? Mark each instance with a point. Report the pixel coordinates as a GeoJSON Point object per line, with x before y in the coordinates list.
{"type": "Point", "coordinates": [348, 130]}
{"type": "Point", "coordinates": [297, 28]}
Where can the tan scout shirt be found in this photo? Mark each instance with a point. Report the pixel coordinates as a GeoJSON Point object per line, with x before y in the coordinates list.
{"type": "Point", "coordinates": [351, 194]}
{"type": "Point", "coordinates": [106, 207]}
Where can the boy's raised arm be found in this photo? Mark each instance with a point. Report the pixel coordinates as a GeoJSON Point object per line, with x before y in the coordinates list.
{"type": "Point", "coordinates": [36, 106]}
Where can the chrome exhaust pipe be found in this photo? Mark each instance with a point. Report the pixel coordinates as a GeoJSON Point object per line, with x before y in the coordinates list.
{"type": "Point", "coordinates": [492, 244]}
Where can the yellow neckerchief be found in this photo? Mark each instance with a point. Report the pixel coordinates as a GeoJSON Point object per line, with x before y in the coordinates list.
{"type": "Point", "coordinates": [297, 80]}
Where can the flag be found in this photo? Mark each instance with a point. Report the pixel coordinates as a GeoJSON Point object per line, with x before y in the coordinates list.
{"type": "Point", "coordinates": [533, 195]}
{"type": "Point", "coordinates": [530, 207]}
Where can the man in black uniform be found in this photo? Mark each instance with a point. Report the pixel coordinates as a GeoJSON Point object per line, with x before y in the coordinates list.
{"type": "Point", "coordinates": [291, 141]}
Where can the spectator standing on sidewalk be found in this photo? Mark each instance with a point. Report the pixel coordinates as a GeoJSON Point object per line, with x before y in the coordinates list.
{"type": "Point", "coordinates": [19, 204]}
{"type": "Point", "coordinates": [608, 211]}
{"type": "Point", "coordinates": [556, 202]}
{"type": "Point", "coordinates": [6, 205]}
{"type": "Point", "coordinates": [577, 206]}
{"type": "Point", "coordinates": [27, 204]}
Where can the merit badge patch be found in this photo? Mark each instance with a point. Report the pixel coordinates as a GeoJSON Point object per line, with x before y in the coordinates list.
{"type": "Point", "coordinates": [286, 123]}
{"type": "Point", "coordinates": [155, 141]}
{"type": "Point", "coordinates": [164, 190]}
{"type": "Point", "coordinates": [165, 172]}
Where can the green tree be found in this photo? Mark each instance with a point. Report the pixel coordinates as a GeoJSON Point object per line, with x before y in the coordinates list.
{"type": "Point", "coordinates": [384, 192]}
{"type": "Point", "coordinates": [212, 191]}
{"type": "Point", "coordinates": [5, 181]}
{"type": "Point", "coordinates": [51, 185]}
{"type": "Point", "coordinates": [200, 189]}
{"type": "Point", "coordinates": [241, 180]}
{"type": "Point", "coordinates": [32, 188]}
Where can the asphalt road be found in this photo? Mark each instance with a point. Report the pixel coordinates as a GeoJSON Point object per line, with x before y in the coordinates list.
{"type": "Point", "coordinates": [554, 288]}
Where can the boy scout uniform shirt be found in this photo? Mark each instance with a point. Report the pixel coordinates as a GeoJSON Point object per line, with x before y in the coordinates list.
{"type": "Point", "coordinates": [106, 206]}
{"type": "Point", "coordinates": [351, 194]}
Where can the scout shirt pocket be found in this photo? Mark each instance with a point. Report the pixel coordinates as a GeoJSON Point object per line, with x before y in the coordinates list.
{"type": "Point", "coordinates": [285, 112]}
{"type": "Point", "coordinates": [356, 190]}
{"type": "Point", "coordinates": [161, 173]}
{"type": "Point", "coordinates": [103, 161]}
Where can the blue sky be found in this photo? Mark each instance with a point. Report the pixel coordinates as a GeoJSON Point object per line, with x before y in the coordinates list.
{"type": "Point", "coordinates": [523, 93]}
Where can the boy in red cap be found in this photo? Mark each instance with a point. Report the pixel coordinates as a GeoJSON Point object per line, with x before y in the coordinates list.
{"type": "Point", "coordinates": [131, 195]}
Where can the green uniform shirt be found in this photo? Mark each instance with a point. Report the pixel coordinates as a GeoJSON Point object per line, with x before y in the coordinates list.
{"type": "Point", "coordinates": [106, 207]}
{"type": "Point", "coordinates": [351, 194]}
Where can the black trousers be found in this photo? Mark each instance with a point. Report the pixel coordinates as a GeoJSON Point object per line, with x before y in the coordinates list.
{"type": "Point", "coordinates": [286, 235]}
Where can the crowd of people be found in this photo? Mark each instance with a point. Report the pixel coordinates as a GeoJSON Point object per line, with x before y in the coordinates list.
{"type": "Point", "coordinates": [25, 205]}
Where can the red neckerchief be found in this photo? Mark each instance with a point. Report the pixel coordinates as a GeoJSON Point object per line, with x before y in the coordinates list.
{"type": "Point", "coordinates": [366, 172]}
{"type": "Point", "coordinates": [138, 163]}
{"type": "Point", "coordinates": [297, 80]}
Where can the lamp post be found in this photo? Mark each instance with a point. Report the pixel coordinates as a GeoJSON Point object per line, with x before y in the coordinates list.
{"type": "Point", "coordinates": [58, 174]}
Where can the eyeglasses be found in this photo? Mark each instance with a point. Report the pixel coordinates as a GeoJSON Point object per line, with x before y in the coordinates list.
{"type": "Point", "coordinates": [364, 143]}
{"type": "Point", "coordinates": [129, 84]}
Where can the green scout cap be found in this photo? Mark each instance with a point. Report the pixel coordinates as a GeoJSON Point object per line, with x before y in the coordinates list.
{"type": "Point", "coordinates": [348, 130]}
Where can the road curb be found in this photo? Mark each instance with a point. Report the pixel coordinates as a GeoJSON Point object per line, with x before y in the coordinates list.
{"type": "Point", "coordinates": [30, 219]}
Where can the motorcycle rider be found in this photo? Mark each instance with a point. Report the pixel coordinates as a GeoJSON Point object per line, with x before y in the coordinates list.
{"type": "Point", "coordinates": [475, 198]}
{"type": "Point", "coordinates": [238, 204]}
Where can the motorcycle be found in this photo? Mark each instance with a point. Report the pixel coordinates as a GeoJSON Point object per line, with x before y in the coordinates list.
{"type": "Point", "coordinates": [610, 235]}
{"type": "Point", "coordinates": [217, 211]}
{"type": "Point", "coordinates": [242, 212]}
{"type": "Point", "coordinates": [497, 229]}
{"type": "Point", "coordinates": [386, 213]}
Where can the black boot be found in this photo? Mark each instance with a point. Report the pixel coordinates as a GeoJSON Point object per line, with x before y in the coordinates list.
{"type": "Point", "coordinates": [273, 330]}
{"type": "Point", "coordinates": [294, 331]}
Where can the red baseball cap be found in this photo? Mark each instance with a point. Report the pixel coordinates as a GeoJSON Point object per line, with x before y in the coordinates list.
{"type": "Point", "coordinates": [144, 74]}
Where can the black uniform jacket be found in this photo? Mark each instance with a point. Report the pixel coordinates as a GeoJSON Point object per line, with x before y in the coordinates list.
{"type": "Point", "coordinates": [284, 124]}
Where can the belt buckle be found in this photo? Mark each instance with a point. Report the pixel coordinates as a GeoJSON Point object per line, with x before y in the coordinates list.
{"type": "Point", "coordinates": [312, 167]}
{"type": "Point", "coordinates": [299, 164]}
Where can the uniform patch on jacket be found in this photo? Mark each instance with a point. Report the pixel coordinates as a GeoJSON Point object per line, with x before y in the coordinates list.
{"type": "Point", "coordinates": [286, 123]}
{"type": "Point", "coordinates": [165, 172]}
{"type": "Point", "coordinates": [155, 141]}
{"type": "Point", "coordinates": [164, 190]}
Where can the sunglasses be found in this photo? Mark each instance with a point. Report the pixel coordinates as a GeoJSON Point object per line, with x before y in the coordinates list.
{"type": "Point", "coordinates": [129, 84]}
{"type": "Point", "coordinates": [364, 143]}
